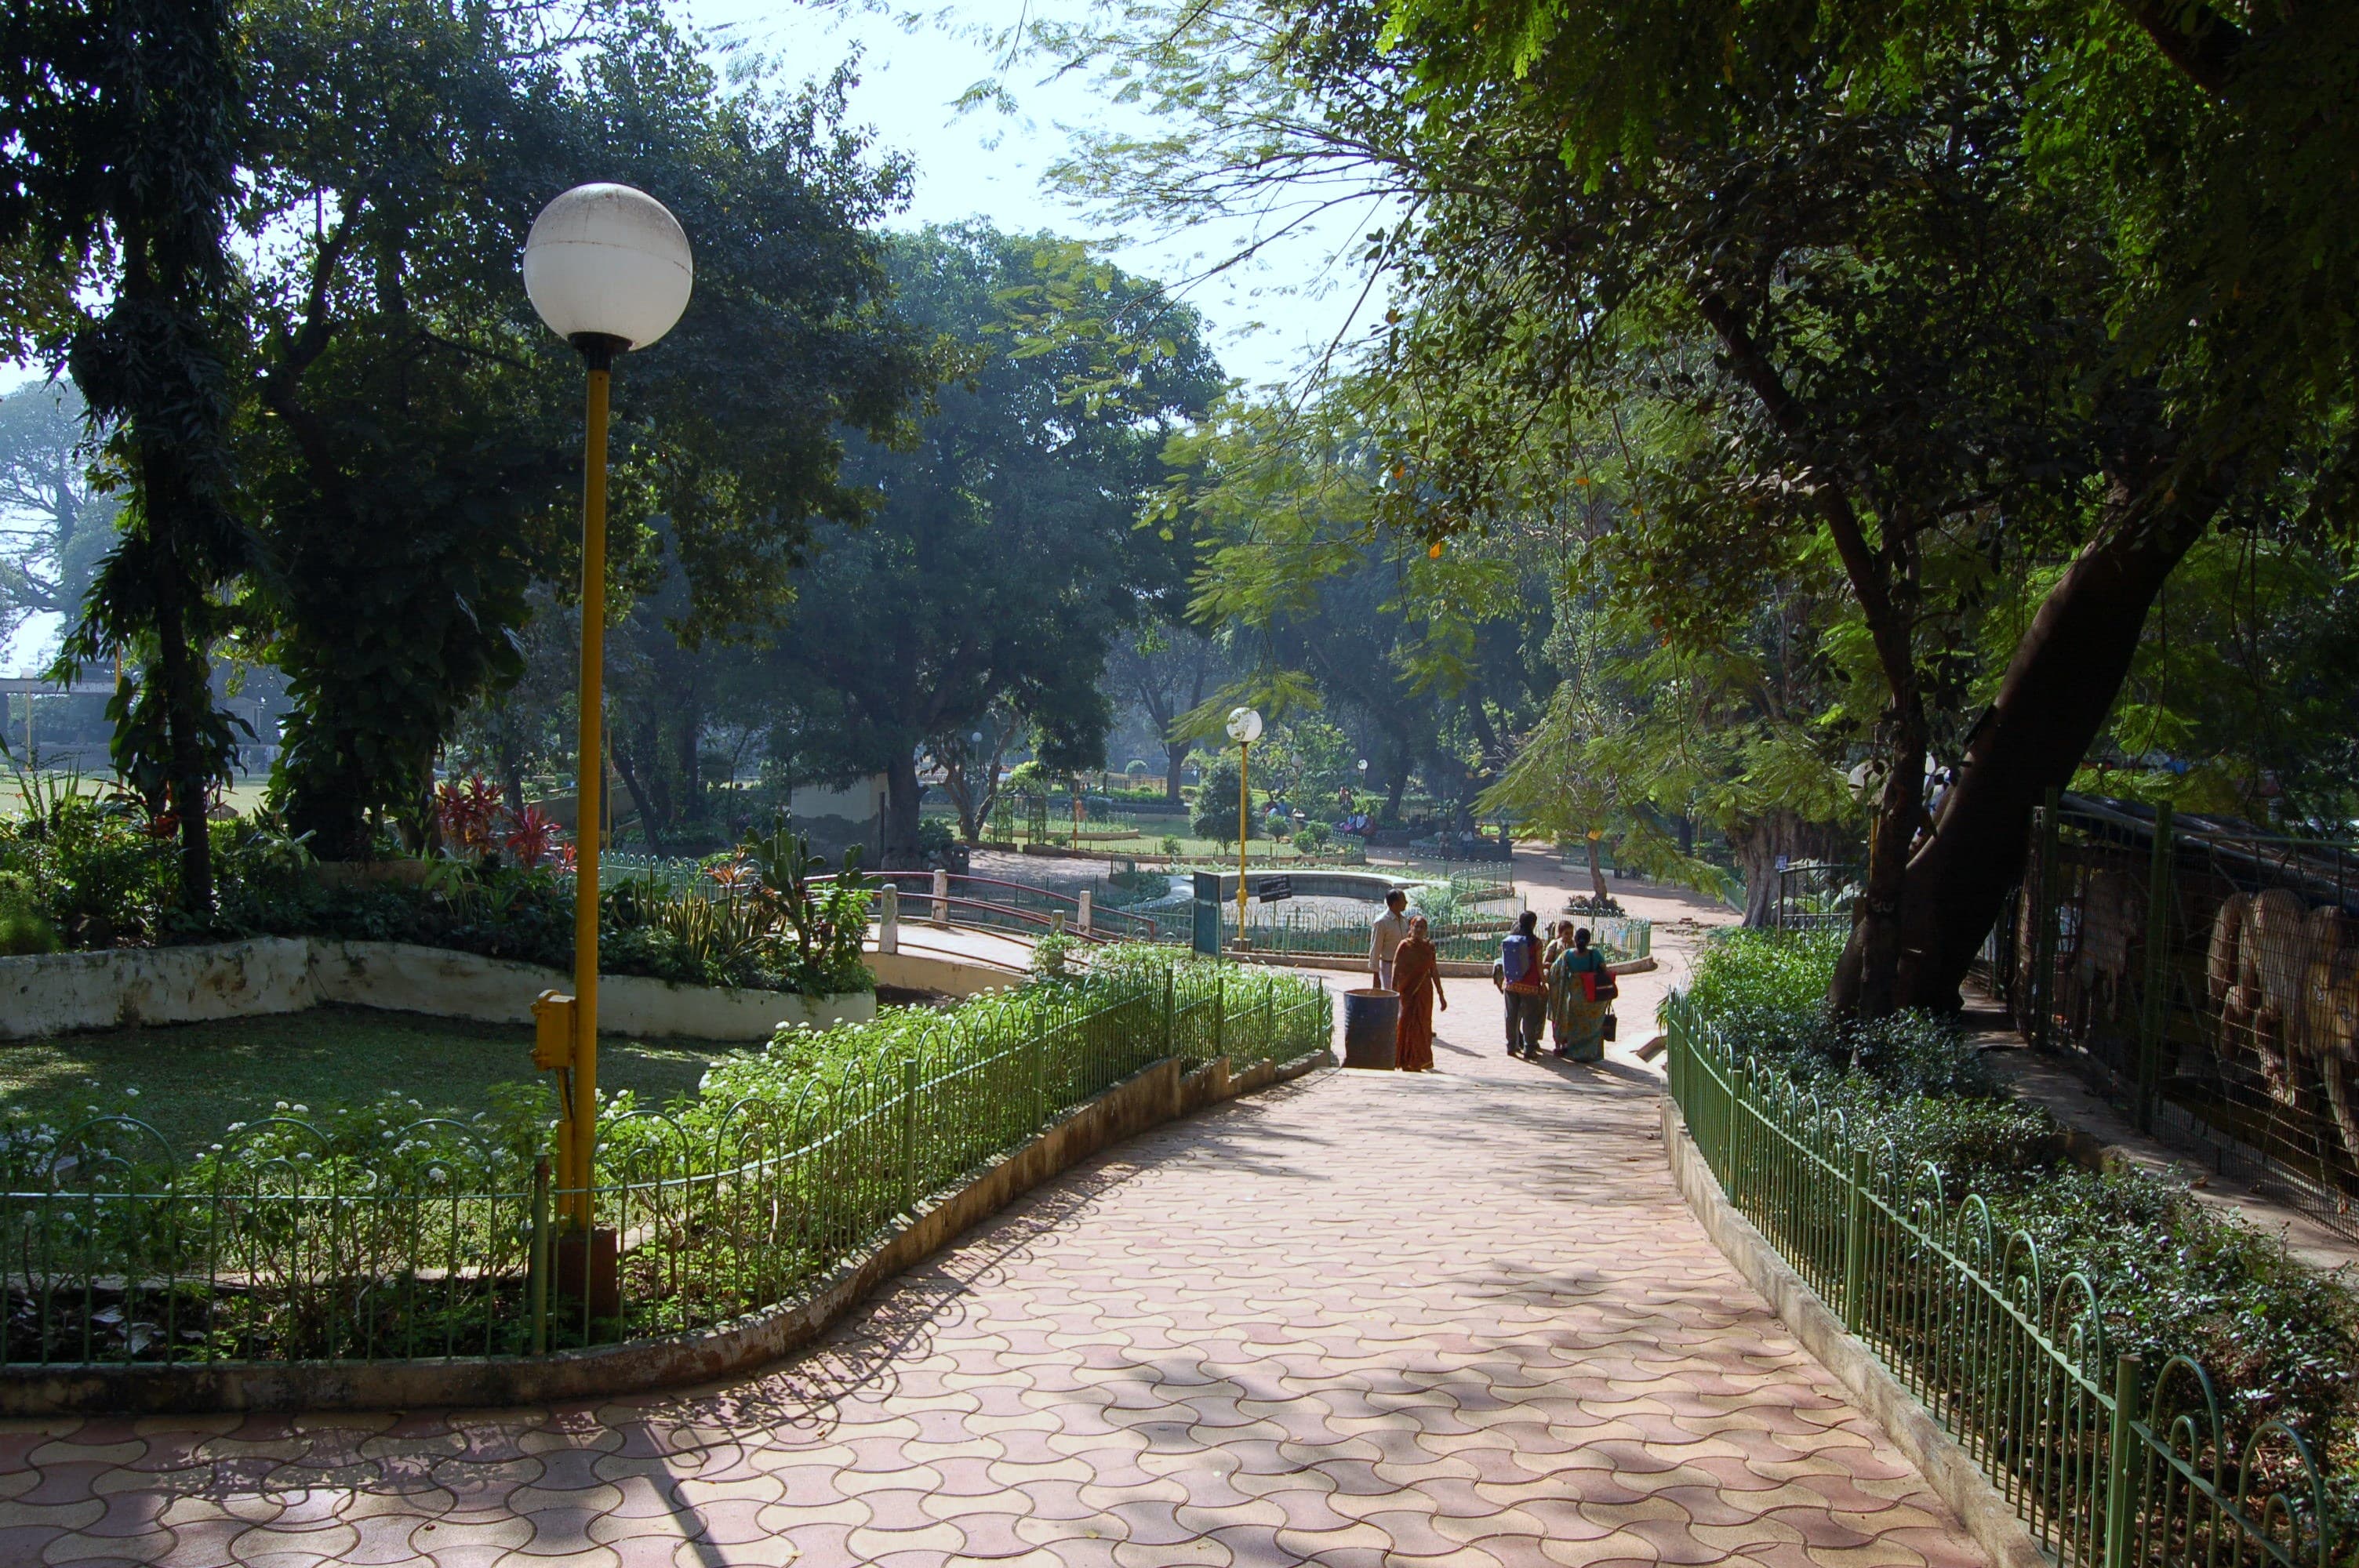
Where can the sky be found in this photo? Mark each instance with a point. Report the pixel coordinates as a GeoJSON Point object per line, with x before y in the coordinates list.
{"type": "Point", "coordinates": [1269, 318]}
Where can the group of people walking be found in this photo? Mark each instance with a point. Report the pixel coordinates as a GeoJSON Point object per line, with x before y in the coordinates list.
{"type": "Point", "coordinates": [1564, 980]}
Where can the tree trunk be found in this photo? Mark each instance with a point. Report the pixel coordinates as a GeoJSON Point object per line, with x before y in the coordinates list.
{"type": "Point", "coordinates": [626, 765]}
{"type": "Point", "coordinates": [2058, 689]}
{"type": "Point", "coordinates": [1176, 757]}
{"type": "Point", "coordinates": [1596, 873]}
{"type": "Point", "coordinates": [685, 740]}
{"type": "Point", "coordinates": [1868, 976]}
{"type": "Point", "coordinates": [901, 799]}
{"type": "Point", "coordinates": [1757, 848]}
{"type": "Point", "coordinates": [188, 697]}
{"type": "Point", "coordinates": [954, 780]}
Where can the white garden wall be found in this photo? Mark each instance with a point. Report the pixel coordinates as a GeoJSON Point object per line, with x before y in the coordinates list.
{"type": "Point", "coordinates": [60, 992]}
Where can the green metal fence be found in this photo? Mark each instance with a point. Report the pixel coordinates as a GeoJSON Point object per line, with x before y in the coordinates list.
{"type": "Point", "coordinates": [294, 1241]}
{"type": "Point", "coordinates": [2108, 1462]}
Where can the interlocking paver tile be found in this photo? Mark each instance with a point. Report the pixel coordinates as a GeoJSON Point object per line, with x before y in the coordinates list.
{"type": "Point", "coordinates": [1363, 1321]}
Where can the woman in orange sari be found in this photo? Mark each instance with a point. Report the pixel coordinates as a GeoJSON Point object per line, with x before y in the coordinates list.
{"type": "Point", "coordinates": [1417, 976]}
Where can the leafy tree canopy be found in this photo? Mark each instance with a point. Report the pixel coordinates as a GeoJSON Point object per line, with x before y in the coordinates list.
{"type": "Point", "coordinates": [1003, 555]}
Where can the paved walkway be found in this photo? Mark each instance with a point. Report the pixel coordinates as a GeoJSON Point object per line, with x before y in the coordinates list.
{"type": "Point", "coordinates": [1362, 1320]}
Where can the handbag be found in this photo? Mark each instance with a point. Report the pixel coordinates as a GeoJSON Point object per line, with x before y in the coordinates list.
{"type": "Point", "coordinates": [1605, 1028]}
{"type": "Point", "coordinates": [1599, 985]}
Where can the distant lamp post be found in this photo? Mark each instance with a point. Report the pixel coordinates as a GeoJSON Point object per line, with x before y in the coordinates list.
{"type": "Point", "coordinates": [608, 269]}
{"type": "Point", "coordinates": [1244, 728]}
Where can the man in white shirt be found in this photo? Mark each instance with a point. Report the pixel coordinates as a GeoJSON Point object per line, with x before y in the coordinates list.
{"type": "Point", "coordinates": [1384, 937]}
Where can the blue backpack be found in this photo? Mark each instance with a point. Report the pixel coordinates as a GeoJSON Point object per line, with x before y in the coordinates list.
{"type": "Point", "coordinates": [1518, 961]}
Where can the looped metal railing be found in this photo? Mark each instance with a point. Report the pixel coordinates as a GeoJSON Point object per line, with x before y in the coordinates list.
{"type": "Point", "coordinates": [370, 1239]}
{"type": "Point", "coordinates": [2019, 1372]}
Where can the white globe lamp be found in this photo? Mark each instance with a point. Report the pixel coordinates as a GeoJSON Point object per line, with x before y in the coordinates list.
{"type": "Point", "coordinates": [605, 262]}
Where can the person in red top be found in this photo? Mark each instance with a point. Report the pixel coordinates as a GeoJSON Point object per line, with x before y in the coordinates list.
{"type": "Point", "coordinates": [1522, 978]}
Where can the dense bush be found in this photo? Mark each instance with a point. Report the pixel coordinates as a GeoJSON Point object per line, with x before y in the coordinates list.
{"type": "Point", "coordinates": [1215, 814]}
{"type": "Point", "coordinates": [85, 871]}
{"type": "Point", "coordinates": [2280, 1339]}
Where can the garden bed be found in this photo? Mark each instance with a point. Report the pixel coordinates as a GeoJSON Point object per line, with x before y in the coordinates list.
{"type": "Point", "coordinates": [190, 1081]}
{"type": "Point", "coordinates": [1955, 1232]}
{"type": "Point", "coordinates": [358, 1232]}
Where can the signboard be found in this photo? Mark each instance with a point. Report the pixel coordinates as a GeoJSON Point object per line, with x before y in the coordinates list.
{"type": "Point", "coordinates": [1272, 888]}
{"type": "Point", "coordinates": [1204, 934]}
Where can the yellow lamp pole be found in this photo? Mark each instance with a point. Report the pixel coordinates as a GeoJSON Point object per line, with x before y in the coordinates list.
{"type": "Point", "coordinates": [1244, 822]}
{"type": "Point", "coordinates": [590, 773]}
{"type": "Point", "coordinates": [608, 269]}
{"type": "Point", "coordinates": [1244, 728]}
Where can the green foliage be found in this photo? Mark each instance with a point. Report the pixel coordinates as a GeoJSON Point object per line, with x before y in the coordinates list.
{"type": "Point", "coordinates": [120, 171]}
{"type": "Point", "coordinates": [818, 927]}
{"type": "Point", "coordinates": [1216, 816]}
{"type": "Point", "coordinates": [2177, 1277]}
{"type": "Point", "coordinates": [24, 925]}
{"type": "Point", "coordinates": [89, 869]}
{"type": "Point", "coordinates": [394, 341]}
{"type": "Point", "coordinates": [1051, 952]}
{"type": "Point", "coordinates": [86, 871]}
{"type": "Point", "coordinates": [1004, 555]}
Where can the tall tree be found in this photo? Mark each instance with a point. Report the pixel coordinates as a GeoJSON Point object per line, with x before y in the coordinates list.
{"type": "Point", "coordinates": [405, 148]}
{"type": "Point", "coordinates": [1905, 268]}
{"type": "Point", "coordinates": [55, 524]}
{"type": "Point", "coordinates": [120, 172]}
{"type": "Point", "coordinates": [1004, 554]}
{"type": "Point", "coordinates": [1168, 671]}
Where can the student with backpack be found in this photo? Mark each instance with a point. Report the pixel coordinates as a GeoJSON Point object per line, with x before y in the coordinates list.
{"type": "Point", "coordinates": [1522, 980]}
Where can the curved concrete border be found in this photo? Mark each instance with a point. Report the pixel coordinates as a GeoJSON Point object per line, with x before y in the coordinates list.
{"type": "Point", "coordinates": [1947, 1468]}
{"type": "Point", "coordinates": [1157, 1094]}
{"type": "Point", "coordinates": [56, 993]}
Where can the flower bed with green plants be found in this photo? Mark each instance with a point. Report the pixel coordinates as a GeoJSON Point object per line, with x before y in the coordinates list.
{"type": "Point", "coordinates": [81, 872]}
{"type": "Point", "coordinates": [369, 1231]}
{"type": "Point", "coordinates": [1950, 1228]}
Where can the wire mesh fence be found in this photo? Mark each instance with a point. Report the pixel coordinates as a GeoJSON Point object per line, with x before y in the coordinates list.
{"type": "Point", "coordinates": [2108, 1462]}
{"type": "Point", "coordinates": [359, 1243]}
{"type": "Point", "coordinates": [2210, 972]}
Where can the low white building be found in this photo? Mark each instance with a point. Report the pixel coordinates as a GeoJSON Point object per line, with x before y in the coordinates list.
{"type": "Point", "coordinates": [834, 820]}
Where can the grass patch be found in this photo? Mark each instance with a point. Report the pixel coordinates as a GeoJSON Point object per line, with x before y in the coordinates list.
{"type": "Point", "coordinates": [194, 1079]}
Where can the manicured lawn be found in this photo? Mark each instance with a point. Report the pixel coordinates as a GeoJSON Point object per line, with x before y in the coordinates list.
{"type": "Point", "coordinates": [195, 1078]}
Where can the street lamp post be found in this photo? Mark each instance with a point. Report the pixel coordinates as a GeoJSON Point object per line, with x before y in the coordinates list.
{"type": "Point", "coordinates": [1244, 728]}
{"type": "Point", "coordinates": [608, 269]}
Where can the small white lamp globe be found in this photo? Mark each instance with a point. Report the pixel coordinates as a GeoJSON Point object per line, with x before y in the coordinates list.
{"type": "Point", "coordinates": [1244, 726]}
{"type": "Point", "coordinates": [606, 261]}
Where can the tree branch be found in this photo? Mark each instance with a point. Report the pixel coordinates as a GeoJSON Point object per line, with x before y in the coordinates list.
{"type": "Point", "coordinates": [1870, 579]}
{"type": "Point", "coordinates": [2204, 45]}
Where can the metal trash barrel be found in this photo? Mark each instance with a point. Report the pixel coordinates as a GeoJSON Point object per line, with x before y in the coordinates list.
{"type": "Point", "coordinates": [1371, 1028]}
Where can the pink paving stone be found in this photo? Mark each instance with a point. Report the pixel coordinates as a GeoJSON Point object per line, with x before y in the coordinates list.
{"type": "Point", "coordinates": [1217, 1327]}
